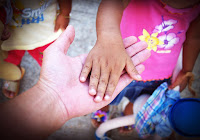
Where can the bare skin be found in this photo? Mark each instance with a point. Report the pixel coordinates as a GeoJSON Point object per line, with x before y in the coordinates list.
{"type": "Point", "coordinates": [62, 19]}
{"type": "Point", "coordinates": [108, 58]}
{"type": "Point", "coordinates": [59, 95]}
{"type": "Point", "coordinates": [61, 22]}
{"type": "Point", "coordinates": [191, 46]}
{"type": "Point", "coordinates": [191, 50]}
{"type": "Point", "coordinates": [127, 111]}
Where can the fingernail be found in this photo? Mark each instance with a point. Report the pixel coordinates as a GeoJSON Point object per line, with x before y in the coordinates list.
{"type": "Point", "coordinates": [107, 97]}
{"type": "Point", "coordinates": [139, 77]}
{"type": "Point", "coordinates": [98, 99]}
{"type": "Point", "coordinates": [92, 91]}
{"type": "Point", "coordinates": [82, 79]}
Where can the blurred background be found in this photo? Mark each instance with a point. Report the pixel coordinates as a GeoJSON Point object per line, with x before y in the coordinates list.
{"type": "Point", "coordinates": [83, 18]}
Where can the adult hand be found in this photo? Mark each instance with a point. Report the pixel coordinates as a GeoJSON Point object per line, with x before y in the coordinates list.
{"type": "Point", "coordinates": [60, 73]}
{"type": "Point", "coordinates": [58, 95]}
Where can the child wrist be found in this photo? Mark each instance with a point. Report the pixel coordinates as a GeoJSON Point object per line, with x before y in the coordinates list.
{"type": "Point", "coordinates": [109, 37]}
{"type": "Point", "coordinates": [67, 16]}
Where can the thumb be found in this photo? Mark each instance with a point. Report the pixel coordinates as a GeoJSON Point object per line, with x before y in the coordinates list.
{"type": "Point", "coordinates": [65, 39]}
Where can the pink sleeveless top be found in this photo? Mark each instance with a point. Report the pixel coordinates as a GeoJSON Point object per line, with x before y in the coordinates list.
{"type": "Point", "coordinates": [163, 28]}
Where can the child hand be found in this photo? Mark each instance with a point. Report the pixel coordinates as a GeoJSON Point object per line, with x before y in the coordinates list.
{"type": "Point", "coordinates": [181, 80]}
{"type": "Point", "coordinates": [61, 22]}
{"type": "Point", "coordinates": [106, 65]}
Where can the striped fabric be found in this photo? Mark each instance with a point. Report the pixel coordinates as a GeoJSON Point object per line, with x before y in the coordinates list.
{"type": "Point", "coordinates": [153, 117]}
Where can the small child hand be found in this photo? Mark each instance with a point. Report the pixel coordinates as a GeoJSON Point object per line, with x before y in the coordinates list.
{"type": "Point", "coordinates": [61, 22]}
{"type": "Point", "coordinates": [181, 80]}
{"type": "Point", "coordinates": [106, 65]}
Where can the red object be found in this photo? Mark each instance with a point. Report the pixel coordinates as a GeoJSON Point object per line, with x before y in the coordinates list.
{"type": "Point", "coordinates": [15, 56]}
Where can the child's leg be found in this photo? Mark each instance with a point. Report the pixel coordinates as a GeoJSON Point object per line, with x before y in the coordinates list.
{"type": "Point", "coordinates": [12, 73]}
{"type": "Point", "coordinates": [9, 71]}
{"type": "Point", "coordinates": [127, 111]}
{"type": "Point", "coordinates": [114, 123]}
{"type": "Point", "coordinates": [127, 120]}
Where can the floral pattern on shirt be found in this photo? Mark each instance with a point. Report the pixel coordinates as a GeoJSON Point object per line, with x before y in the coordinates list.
{"type": "Point", "coordinates": [161, 38]}
{"type": "Point", "coordinates": [151, 40]}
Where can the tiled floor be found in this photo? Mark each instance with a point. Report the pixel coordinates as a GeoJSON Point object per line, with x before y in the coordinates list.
{"type": "Point", "coordinates": [83, 17]}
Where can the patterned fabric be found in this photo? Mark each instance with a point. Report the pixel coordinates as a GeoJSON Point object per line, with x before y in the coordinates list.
{"type": "Point", "coordinates": [153, 117]}
{"type": "Point", "coordinates": [137, 88]}
{"type": "Point", "coordinates": [164, 33]}
{"type": "Point", "coordinates": [32, 25]}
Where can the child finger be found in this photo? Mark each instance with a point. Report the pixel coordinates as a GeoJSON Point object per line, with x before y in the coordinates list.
{"type": "Point", "coordinates": [103, 81]}
{"type": "Point", "coordinates": [114, 78]}
{"type": "Point", "coordinates": [94, 79]}
{"type": "Point", "coordinates": [56, 27]}
{"type": "Point", "coordinates": [85, 71]}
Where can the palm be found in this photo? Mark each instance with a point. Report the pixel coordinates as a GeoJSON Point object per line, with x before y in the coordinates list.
{"type": "Point", "coordinates": [62, 72]}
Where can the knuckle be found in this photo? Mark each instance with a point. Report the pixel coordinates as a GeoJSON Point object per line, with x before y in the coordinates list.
{"type": "Point", "coordinates": [103, 82]}
{"type": "Point", "coordinates": [83, 73]}
{"type": "Point", "coordinates": [93, 85]}
{"type": "Point", "coordinates": [95, 76]}
{"type": "Point", "coordinates": [109, 92]}
{"type": "Point", "coordinates": [137, 60]}
{"type": "Point", "coordinates": [111, 88]}
{"type": "Point", "coordinates": [100, 92]}
{"type": "Point", "coordinates": [134, 70]}
{"type": "Point", "coordinates": [86, 69]}
{"type": "Point", "coordinates": [106, 64]}
{"type": "Point", "coordinates": [112, 85]}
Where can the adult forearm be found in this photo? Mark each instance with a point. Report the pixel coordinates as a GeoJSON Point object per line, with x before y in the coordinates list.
{"type": "Point", "coordinates": [34, 114]}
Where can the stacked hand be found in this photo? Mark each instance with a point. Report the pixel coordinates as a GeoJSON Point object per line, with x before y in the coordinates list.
{"type": "Point", "coordinates": [106, 62]}
{"type": "Point", "coordinates": [60, 73]}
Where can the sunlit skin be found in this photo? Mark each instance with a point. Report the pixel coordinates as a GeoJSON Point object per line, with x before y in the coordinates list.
{"type": "Point", "coordinates": [59, 95]}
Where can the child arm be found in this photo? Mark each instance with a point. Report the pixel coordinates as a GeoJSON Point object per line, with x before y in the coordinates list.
{"type": "Point", "coordinates": [108, 58]}
{"type": "Point", "coordinates": [191, 49]}
{"type": "Point", "coordinates": [62, 19]}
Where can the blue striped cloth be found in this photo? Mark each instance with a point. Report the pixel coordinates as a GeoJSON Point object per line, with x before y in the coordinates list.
{"type": "Point", "coordinates": [153, 117]}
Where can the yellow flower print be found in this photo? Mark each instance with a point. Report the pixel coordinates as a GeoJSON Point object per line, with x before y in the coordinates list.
{"type": "Point", "coordinates": [151, 40]}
